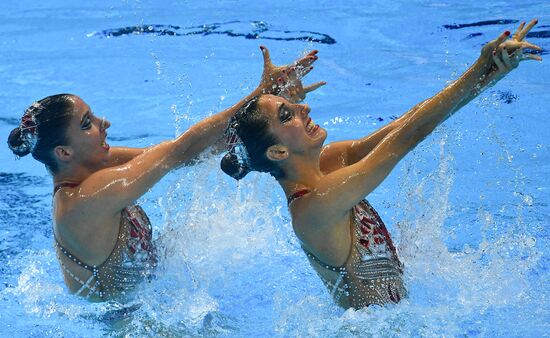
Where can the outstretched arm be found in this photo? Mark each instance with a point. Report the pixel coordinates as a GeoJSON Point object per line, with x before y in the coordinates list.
{"type": "Point", "coordinates": [339, 154]}
{"type": "Point", "coordinates": [279, 80]}
{"type": "Point", "coordinates": [114, 188]}
{"type": "Point", "coordinates": [490, 68]}
{"type": "Point", "coordinates": [340, 190]}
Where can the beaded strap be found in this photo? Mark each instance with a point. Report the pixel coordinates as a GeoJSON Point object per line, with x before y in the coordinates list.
{"type": "Point", "coordinates": [93, 269]}
{"type": "Point", "coordinates": [84, 285]}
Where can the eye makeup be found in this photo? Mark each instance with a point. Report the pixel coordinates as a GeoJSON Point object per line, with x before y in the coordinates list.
{"type": "Point", "coordinates": [285, 113]}
{"type": "Point", "coordinates": [86, 122]}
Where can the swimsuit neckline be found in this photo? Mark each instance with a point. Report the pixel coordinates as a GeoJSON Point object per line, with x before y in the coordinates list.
{"type": "Point", "coordinates": [63, 185]}
{"type": "Point", "coordinates": [297, 194]}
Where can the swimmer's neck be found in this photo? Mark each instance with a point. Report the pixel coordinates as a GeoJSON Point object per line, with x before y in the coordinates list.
{"type": "Point", "coordinates": [74, 174]}
{"type": "Point", "coordinates": [300, 173]}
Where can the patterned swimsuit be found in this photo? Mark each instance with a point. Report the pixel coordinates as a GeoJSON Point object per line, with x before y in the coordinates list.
{"type": "Point", "coordinates": [131, 261]}
{"type": "Point", "coordinates": [372, 272]}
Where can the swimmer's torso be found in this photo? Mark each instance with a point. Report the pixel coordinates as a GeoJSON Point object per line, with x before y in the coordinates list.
{"type": "Point", "coordinates": [372, 272]}
{"type": "Point", "coordinates": [130, 260]}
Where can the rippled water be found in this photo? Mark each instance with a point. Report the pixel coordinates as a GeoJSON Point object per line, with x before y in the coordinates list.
{"type": "Point", "coordinates": [468, 208]}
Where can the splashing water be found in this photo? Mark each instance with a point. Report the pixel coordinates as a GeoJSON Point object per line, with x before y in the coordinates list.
{"type": "Point", "coordinates": [232, 267]}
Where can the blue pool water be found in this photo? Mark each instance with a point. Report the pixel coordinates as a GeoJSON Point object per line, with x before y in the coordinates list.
{"type": "Point", "coordinates": [469, 208]}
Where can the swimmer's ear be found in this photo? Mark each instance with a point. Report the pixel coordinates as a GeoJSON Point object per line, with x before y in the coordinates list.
{"type": "Point", "coordinates": [64, 154]}
{"type": "Point", "coordinates": [277, 152]}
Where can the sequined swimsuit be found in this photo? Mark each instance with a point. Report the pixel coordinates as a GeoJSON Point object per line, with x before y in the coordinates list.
{"type": "Point", "coordinates": [372, 272]}
{"type": "Point", "coordinates": [132, 259]}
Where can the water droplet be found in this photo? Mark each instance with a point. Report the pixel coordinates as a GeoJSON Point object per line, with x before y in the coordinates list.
{"type": "Point", "coordinates": [528, 200]}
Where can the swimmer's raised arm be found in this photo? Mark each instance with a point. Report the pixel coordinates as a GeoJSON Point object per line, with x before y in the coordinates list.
{"type": "Point", "coordinates": [121, 155]}
{"type": "Point", "coordinates": [339, 154]}
{"type": "Point", "coordinates": [116, 187]}
{"type": "Point", "coordinates": [340, 190]}
{"type": "Point", "coordinates": [490, 68]}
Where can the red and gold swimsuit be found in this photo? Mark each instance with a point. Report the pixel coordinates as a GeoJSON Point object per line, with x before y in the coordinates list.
{"type": "Point", "coordinates": [132, 259]}
{"type": "Point", "coordinates": [372, 272]}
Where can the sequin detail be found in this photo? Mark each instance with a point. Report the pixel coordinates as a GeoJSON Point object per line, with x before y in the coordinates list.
{"type": "Point", "coordinates": [372, 273]}
{"type": "Point", "coordinates": [132, 260]}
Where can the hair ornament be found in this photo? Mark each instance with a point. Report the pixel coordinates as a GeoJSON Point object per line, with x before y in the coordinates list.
{"type": "Point", "coordinates": [29, 128]}
{"type": "Point", "coordinates": [235, 145]}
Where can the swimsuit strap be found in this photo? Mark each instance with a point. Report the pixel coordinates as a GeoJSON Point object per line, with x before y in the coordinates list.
{"type": "Point", "coordinates": [297, 195]}
{"type": "Point", "coordinates": [92, 289]}
{"type": "Point", "coordinates": [63, 185]}
{"type": "Point", "coordinates": [341, 268]}
{"type": "Point", "coordinates": [93, 268]}
{"type": "Point", "coordinates": [66, 252]}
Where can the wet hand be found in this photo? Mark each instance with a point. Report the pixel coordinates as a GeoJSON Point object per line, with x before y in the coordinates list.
{"type": "Point", "coordinates": [510, 53]}
{"type": "Point", "coordinates": [502, 55]}
{"type": "Point", "coordinates": [286, 80]}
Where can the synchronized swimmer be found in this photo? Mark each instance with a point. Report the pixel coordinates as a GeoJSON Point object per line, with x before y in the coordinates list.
{"type": "Point", "coordinates": [102, 238]}
{"type": "Point", "coordinates": [342, 235]}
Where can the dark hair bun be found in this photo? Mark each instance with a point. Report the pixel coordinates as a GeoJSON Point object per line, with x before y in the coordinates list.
{"type": "Point", "coordinates": [18, 144]}
{"type": "Point", "coordinates": [231, 166]}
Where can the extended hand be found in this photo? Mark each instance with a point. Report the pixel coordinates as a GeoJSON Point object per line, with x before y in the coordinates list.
{"type": "Point", "coordinates": [509, 53]}
{"type": "Point", "coordinates": [286, 80]}
{"type": "Point", "coordinates": [502, 55]}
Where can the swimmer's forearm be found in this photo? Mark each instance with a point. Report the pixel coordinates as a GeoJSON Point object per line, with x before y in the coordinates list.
{"type": "Point", "coordinates": [205, 133]}
{"type": "Point", "coordinates": [478, 85]}
{"type": "Point", "coordinates": [459, 93]}
{"type": "Point", "coordinates": [437, 109]}
{"type": "Point", "coordinates": [467, 88]}
{"type": "Point", "coordinates": [362, 147]}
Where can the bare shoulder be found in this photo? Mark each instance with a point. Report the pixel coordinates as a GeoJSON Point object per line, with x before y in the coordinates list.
{"type": "Point", "coordinates": [77, 203]}
{"type": "Point", "coordinates": [82, 229]}
{"type": "Point", "coordinates": [334, 156]}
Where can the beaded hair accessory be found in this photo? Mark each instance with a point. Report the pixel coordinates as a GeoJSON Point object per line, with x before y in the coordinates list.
{"type": "Point", "coordinates": [235, 145]}
{"type": "Point", "coordinates": [29, 129]}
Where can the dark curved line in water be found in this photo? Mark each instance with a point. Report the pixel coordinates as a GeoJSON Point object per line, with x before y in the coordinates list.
{"type": "Point", "coordinates": [10, 121]}
{"type": "Point", "coordinates": [259, 30]}
{"type": "Point", "coordinates": [481, 23]}
{"type": "Point", "coordinates": [539, 34]}
{"type": "Point", "coordinates": [542, 34]}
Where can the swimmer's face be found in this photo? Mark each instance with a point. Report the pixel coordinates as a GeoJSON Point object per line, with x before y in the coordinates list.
{"type": "Point", "coordinates": [291, 124]}
{"type": "Point", "coordinates": [87, 136]}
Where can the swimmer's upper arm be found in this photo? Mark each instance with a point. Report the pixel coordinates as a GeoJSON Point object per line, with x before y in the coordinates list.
{"type": "Point", "coordinates": [338, 155]}
{"type": "Point", "coordinates": [112, 189]}
{"type": "Point", "coordinates": [334, 156]}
